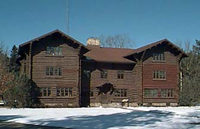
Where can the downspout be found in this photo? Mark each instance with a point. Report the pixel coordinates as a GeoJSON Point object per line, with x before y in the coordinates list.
{"type": "Point", "coordinates": [30, 61]}
{"type": "Point", "coordinates": [80, 90]}
{"type": "Point", "coordinates": [142, 84]}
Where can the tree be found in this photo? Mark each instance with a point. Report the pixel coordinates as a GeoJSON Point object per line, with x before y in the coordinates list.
{"type": "Point", "coordinates": [190, 91]}
{"type": "Point", "coordinates": [5, 76]}
{"type": "Point", "coordinates": [13, 65]}
{"type": "Point", "coordinates": [17, 89]}
{"type": "Point", "coordinates": [23, 92]}
{"type": "Point", "coordinates": [116, 41]}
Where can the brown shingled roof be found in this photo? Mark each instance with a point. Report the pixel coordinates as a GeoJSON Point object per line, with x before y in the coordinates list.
{"type": "Point", "coordinates": [50, 33]}
{"type": "Point", "coordinates": [115, 55]}
{"type": "Point", "coordinates": [118, 55]}
{"type": "Point", "coordinates": [141, 49]}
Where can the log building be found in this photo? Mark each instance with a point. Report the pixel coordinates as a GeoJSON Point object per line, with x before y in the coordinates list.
{"type": "Point", "coordinates": [71, 74]}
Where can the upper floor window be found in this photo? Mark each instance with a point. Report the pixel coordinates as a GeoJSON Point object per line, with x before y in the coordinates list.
{"type": "Point", "coordinates": [104, 74]}
{"type": "Point", "coordinates": [53, 71]}
{"type": "Point", "coordinates": [44, 91]}
{"type": "Point", "coordinates": [151, 93]}
{"type": "Point", "coordinates": [167, 93]}
{"type": "Point", "coordinates": [120, 74]}
{"type": "Point", "coordinates": [55, 51]}
{"type": "Point", "coordinates": [158, 74]}
{"type": "Point", "coordinates": [64, 92]}
{"type": "Point", "coordinates": [121, 93]}
{"type": "Point", "coordinates": [159, 56]}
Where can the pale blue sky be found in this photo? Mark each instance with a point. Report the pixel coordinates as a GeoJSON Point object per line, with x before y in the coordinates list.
{"type": "Point", "coordinates": [144, 21]}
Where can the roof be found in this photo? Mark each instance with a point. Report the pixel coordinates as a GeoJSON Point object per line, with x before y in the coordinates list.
{"type": "Point", "coordinates": [118, 55]}
{"type": "Point", "coordinates": [50, 33]}
{"type": "Point", "coordinates": [141, 49]}
{"type": "Point", "coordinates": [115, 55]}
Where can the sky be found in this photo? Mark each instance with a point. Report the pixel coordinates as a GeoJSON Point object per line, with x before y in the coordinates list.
{"type": "Point", "coordinates": [144, 21]}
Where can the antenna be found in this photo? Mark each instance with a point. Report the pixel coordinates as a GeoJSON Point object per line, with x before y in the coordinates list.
{"type": "Point", "coordinates": [67, 10]}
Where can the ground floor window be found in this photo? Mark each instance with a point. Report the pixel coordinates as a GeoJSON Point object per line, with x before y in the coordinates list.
{"type": "Point", "coordinates": [150, 93]}
{"type": "Point", "coordinates": [121, 93]}
{"type": "Point", "coordinates": [167, 93]}
{"type": "Point", "coordinates": [64, 92]}
{"type": "Point", "coordinates": [158, 93]}
{"type": "Point", "coordinates": [91, 92]}
{"type": "Point", "coordinates": [45, 91]}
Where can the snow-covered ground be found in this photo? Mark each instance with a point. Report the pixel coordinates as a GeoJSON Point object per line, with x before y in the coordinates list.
{"type": "Point", "coordinates": [112, 118]}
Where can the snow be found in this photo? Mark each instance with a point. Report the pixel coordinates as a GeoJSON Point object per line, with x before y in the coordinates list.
{"type": "Point", "coordinates": [111, 118]}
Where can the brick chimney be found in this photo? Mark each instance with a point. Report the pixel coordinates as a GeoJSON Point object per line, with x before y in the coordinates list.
{"type": "Point", "coordinates": [93, 42]}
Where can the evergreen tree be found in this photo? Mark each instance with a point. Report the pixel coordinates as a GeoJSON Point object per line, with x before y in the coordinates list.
{"type": "Point", "coordinates": [13, 64]}
{"type": "Point", "coordinates": [190, 93]}
{"type": "Point", "coordinates": [22, 93]}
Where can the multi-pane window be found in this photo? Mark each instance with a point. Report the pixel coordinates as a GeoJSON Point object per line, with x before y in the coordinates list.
{"type": "Point", "coordinates": [159, 56]}
{"type": "Point", "coordinates": [104, 74]}
{"type": "Point", "coordinates": [64, 92]}
{"type": "Point", "coordinates": [159, 74]}
{"type": "Point", "coordinates": [167, 93]}
{"type": "Point", "coordinates": [44, 91]}
{"type": "Point", "coordinates": [121, 93]}
{"type": "Point", "coordinates": [53, 71]}
{"type": "Point", "coordinates": [151, 93]}
{"type": "Point", "coordinates": [55, 51]}
{"type": "Point", "coordinates": [120, 74]}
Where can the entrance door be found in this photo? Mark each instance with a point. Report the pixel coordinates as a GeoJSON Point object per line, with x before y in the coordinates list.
{"type": "Point", "coordinates": [104, 99]}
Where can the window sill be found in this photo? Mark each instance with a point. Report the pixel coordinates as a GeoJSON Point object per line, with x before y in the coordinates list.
{"type": "Point", "coordinates": [159, 98]}
{"type": "Point", "coordinates": [159, 79]}
{"type": "Point", "coordinates": [92, 97]}
{"type": "Point", "coordinates": [54, 77]}
{"type": "Point", "coordinates": [67, 97]}
{"type": "Point", "coordinates": [54, 56]}
{"type": "Point", "coordinates": [120, 97]}
{"type": "Point", "coordinates": [157, 61]}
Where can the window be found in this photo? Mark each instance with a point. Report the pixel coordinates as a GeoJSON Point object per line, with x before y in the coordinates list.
{"type": "Point", "coordinates": [120, 74]}
{"type": "Point", "coordinates": [24, 67]}
{"type": "Point", "coordinates": [150, 93]}
{"type": "Point", "coordinates": [55, 51]}
{"type": "Point", "coordinates": [167, 93]}
{"type": "Point", "coordinates": [45, 91]}
{"type": "Point", "coordinates": [158, 56]}
{"type": "Point", "coordinates": [158, 74]}
{"type": "Point", "coordinates": [91, 92]}
{"type": "Point", "coordinates": [53, 71]}
{"type": "Point", "coordinates": [104, 74]}
{"type": "Point", "coordinates": [64, 92]}
{"type": "Point", "coordinates": [121, 93]}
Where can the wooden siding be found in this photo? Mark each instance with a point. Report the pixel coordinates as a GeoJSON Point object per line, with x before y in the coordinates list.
{"type": "Point", "coordinates": [83, 75]}
{"type": "Point", "coordinates": [171, 67]}
{"type": "Point", "coordinates": [69, 63]}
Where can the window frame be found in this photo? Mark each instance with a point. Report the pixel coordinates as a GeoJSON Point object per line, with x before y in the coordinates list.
{"type": "Point", "coordinates": [159, 75]}
{"type": "Point", "coordinates": [104, 74]}
{"type": "Point", "coordinates": [167, 93]}
{"type": "Point", "coordinates": [53, 71]}
{"type": "Point", "coordinates": [45, 91]}
{"type": "Point", "coordinates": [158, 57]}
{"type": "Point", "coordinates": [121, 93]}
{"type": "Point", "coordinates": [54, 51]}
{"type": "Point", "coordinates": [92, 92]}
{"type": "Point", "coordinates": [64, 92]}
{"type": "Point", "coordinates": [120, 74]}
{"type": "Point", "coordinates": [151, 91]}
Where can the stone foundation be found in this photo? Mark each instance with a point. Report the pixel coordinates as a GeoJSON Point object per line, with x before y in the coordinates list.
{"type": "Point", "coordinates": [117, 105]}
{"type": "Point", "coordinates": [174, 104]}
{"type": "Point", "coordinates": [159, 104]}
